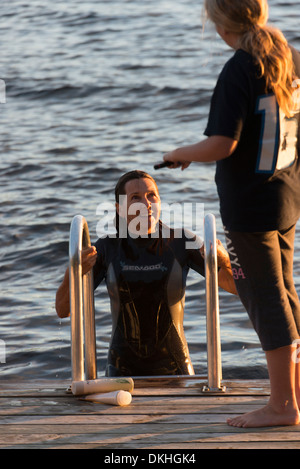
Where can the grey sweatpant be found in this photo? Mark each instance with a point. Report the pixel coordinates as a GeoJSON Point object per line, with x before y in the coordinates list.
{"type": "Point", "coordinates": [262, 266]}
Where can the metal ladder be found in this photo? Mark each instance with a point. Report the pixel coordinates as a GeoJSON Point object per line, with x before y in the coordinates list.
{"type": "Point", "coordinates": [83, 334]}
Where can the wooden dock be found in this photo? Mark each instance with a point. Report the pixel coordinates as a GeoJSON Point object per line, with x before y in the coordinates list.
{"type": "Point", "coordinates": [164, 415]}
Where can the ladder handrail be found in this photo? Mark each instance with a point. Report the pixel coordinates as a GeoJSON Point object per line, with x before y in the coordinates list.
{"type": "Point", "coordinates": [214, 364]}
{"type": "Point", "coordinates": [83, 334]}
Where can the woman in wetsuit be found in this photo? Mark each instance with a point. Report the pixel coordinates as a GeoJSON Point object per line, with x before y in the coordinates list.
{"type": "Point", "coordinates": [145, 267]}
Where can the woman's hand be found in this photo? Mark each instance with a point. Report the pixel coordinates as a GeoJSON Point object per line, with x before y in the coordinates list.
{"type": "Point", "coordinates": [225, 277]}
{"type": "Point", "coordinates": [88, 259]}
{"type": "Point", "coordinates": [62, 300]}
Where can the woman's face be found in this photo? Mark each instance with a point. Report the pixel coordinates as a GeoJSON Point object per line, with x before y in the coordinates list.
{"type": "Point", "coordinates": [140, 206]}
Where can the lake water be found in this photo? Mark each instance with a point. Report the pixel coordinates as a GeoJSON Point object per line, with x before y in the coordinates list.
{"type": "Point", "coordinates": [95, 89]}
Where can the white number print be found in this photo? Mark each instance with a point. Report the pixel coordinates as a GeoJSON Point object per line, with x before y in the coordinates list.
{"type": "Point", "coordinates": [278, 137]}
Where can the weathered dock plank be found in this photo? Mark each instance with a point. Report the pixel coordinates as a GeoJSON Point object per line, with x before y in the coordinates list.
{"type": "Point", "coordinates": [164, 415]}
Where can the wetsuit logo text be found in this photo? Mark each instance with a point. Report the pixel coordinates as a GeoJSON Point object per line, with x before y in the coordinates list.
{"type": "Point", "coordinates": [143, 268]}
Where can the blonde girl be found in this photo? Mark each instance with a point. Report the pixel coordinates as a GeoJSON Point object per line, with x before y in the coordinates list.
{"type": "Point", "coordinates": [253, 135]}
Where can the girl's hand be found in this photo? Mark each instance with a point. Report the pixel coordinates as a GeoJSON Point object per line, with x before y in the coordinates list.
{"type": "Point", "coordinates": [171, 156]}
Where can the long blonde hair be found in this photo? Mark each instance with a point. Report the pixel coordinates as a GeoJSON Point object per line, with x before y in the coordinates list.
{"type": "Point", "coordinates": [248, 19]}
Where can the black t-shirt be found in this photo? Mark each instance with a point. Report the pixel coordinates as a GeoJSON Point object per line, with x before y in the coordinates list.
{"type": "Point", "coordinates": [259, 184]}
{"type": "Point", "coordinates": [146, 280]}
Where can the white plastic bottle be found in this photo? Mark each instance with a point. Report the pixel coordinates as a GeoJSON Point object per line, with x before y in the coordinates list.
{"type": "Point", "coordinates": [102, 385]}
{"type": "Point", "coordinates": [121, 398]}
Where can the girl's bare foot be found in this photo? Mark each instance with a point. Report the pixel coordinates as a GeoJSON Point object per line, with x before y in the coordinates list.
{"type": "Point", "coordinates": [266, 417]}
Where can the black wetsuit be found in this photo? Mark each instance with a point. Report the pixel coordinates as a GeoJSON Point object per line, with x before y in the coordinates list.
{"type": "Point", "coordinates": [146, 279]}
